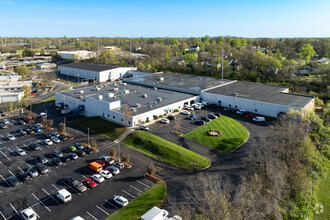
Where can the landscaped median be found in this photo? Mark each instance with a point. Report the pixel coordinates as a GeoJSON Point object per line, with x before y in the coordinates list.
{"type": "Point", "coordinates": [164, 150]}
{"type": "Point", "coordinates": [155, 196]}
{"type": "Point", "coordinates": [233, 134]}
{"type": "Point", "coordinates": [99, 126]}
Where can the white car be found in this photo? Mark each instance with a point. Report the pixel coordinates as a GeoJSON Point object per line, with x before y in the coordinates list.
{"type": "Point", "coordinates": [10, 137]}
{"type": "Point", "coordinates": [43, 115]}
{"type": "Point", "coordinates": [120, 200]}
{"type": "Point", "coordinates": [48, 142]}
{"type": "Point", "coordinates": [259, 119]}
{"type": "Point", "coordinates": [55, 139]}
{"type": "Point", "coordinates": [77, 218]}
{"type": "Point", "coordinates": [164, 120]}
{"type": "Point", "coordinates": [241, 111]}
{"type": "Point", "coordinates": [186, 113]}
{"type": "Point", "coordinates": [190, 108]}
{"type": "Point", "coordinates": [106, 174]}
{"type": "Point", "coordinates": [198, 107]}
{"type": "Point", "coordinates": [29, 214]}
{"type": "Point", "coordinates": [20, 152]}
{"type": "Point", "coordinates": [144, 127]}
{"type": "Point", "coordinates": [97, 178]}
{"type": "Point", "coordinates": [5, 121]}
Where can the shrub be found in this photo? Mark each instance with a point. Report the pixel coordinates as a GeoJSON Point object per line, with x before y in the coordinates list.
{"type": "Point", "coordinates": [151, 169]}
{"type": "Point", "coordinates": [165, 114]}
{"type": "Point", "coordinates": [160, 116]}
{"type": "Point", "coordinates": [155, 117]}
{"type": "Point", "coordinates": [94, 144]}
{"type": "Point", "coordinates": [50, 123]}
{"type": "Point", "coordinates": [113, 152]}
{"type": "Point", "coordinates": [61, 127]}
{"type": "Point", "coordinates": [147, 120]}
{"type": "Point", "coordinates": [176, 110]}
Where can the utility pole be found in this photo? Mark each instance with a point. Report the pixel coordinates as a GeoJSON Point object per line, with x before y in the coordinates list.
{"type": "Point", "coordinates": [88, 136]}
{"type": "Point", "coordinates": [130, 52]}
{"type": "Point", "coordinates": [222, 62]}
{"type": "Point", "coordinates": [64, 126]}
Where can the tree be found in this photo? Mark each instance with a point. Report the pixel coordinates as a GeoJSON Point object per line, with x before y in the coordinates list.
{"type": "Point", "coordinates": [61, 127]}
{"type": "Point", "coordinates": [151, 169]}
{"type": "Point", "coordinates": [28, 53]}
{"type": "Point", "coordinates": [93, 144]}
{"type": "Point", "coordinates": [306, 51]}
{"type": "Point", "coordinates": [126, 158]}
{"type": "Point", "coordinates": [43, 121]}
{"type": "Point", "coordinates": [190, 57]}
{"type": "Point", "coordinates": [50, 123]}
{"type": "Point", "coordinates": [33, 116]}
{"type": "Point", "coordinates": [21, 70]}
{"type": "Point", "coordinates": [113, 152]}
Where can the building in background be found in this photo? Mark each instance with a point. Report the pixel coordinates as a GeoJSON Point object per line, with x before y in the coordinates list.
{"type": "Point", "coordinates": [76, 55]}
{"type": "Point", "coordinates": [94, 71]}
{"type": "Point", "coordinates": [42, 66]}
{"type": "Point", "coordinates": [12, 90]}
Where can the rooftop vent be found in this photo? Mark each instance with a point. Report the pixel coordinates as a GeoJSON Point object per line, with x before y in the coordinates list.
{"type": "Point", "coordinates": [115, 89]}
{"type": "Point", "coordinates": [133, 109]}
{"type": "Point", "coordinates": [81, 97]}
{"type": "Point", "coordinates": [159, 99]}
{"type": "Point", "coordinates": [124, 84]}
{"type": "Point", "coordinates": [124, 91]}
{"type": "Point", "coordinates": [138, 105]}
{"type": "Point", "coordinates": [98, 89]}
{"type": "Point", "coordinates": [144, 96]}
{"type": "Point", "coordinates": [161, 78]}
{"type": "Point", "coordinates": [235, 94]}
{"type": "Point", "coordinates": [155, 88]}
{"type": "Point", "coordinates": [81, 91]}
{"type": "Point", "coordinates": [111, 95]}
{"type": "Point", "coordinates": [100, 97]}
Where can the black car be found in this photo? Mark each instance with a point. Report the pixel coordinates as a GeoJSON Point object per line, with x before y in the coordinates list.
{"type": "Point", "coordinates": [65, 159]}
{"type": "Point", "coordinates": [80, 153]}
{"type": "Point", "coordinates": [21, 122]}
{"type": "Point", "coordinates": [29, 131]}
{"type": "Point", "coordinates": [13, 181]}
{"type": "Point", "coordinates": [56, 161]}
{"type": "Point", "coordinates": [23, 176]}
{"type": "Point", "coordinates": [218, 114]}
{"type": "Point", "coordinates": [78, 146]}
{"type": "Point", "coordinates": [205, 118]}
{"type": "Point", "coordinates": [87, 150]}
{"type": "Point", "coordinates": [48, 136]}
{"type": "Point", "coordinates": [35, 146]}
{"type": "Point", "coordinates": [41, 168]}
{"type": "Point", "coordinates": [62, 137]}
{"type": "Point", "coordinates": [171, 117]}
{"type": "Point", "coordinates": [199, 122]}
{"type": "Point", "coordinates": [69, 180]}
{"type": "Point", "coordinates": [211, 116]}
{"type": "Point", "coordinates": [42, 159]}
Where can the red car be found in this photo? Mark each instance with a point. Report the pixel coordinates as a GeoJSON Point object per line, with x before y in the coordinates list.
{"type": "Point", "coordinates": [101, 162]}
{"type": "Point", "coordinates": [89, 183]}
{"type": "Point", "coordinates": [249, 115]}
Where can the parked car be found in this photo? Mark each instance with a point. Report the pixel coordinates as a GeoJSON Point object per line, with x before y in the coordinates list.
{"type": "Point", "coordinates": [48, 136]}
{"type": "Point", "coordinates": [198, 107]}
{"type": "Point", "coordinates": [79, 186]}
{"type": "Point", "coordinates": [185, 113]}
{"type": "Point", "coordinates": [73, 156]}
{"type": "Point", "coordinates": [164, 121]}
{"type": "Point", "coordinates": [190, 108]}
{"type": "Point", "coordinates": [10, 137]}
{"type": "Point", "coordinates": [39, 125]}
{"type": "Point", "coordinates": [37, 129]}
{"type": "Point", "coordinates": [28, 214]}
{"type": "Point", "coordinates": [32, 172]}
{"type": "Point", "coordinates": [259, 119]}
{"type": "Point", "coordinates": [42, 159]}
{"type": "Point", "coordinates": [106, 174]}
{"type": "Point", "coordinates": [107, 160]}
{"type": "Point", "coordinates": [211, 116]}
{"type": "Point", "coordinates": [65, 158]}
{"type": "Point", "coordinates": [57, 161]}
{"type": "Point", "coordinates": [101, 162]}
{"type": "Point", "coordinates": [199, 122]}
{"type": "Point", "coordinates": [56, 134]}
{"type": "Point", "coordinates": [248, 115]}
{"type": "Point", "coordinates": [218, 114]}
{"type": "Point", "coordinates": [5, 121]}
{"type": "Point", "coordinates": [42, 168]}
{"type": "Point", "coordinates": [43, 115]}
{"type": "Point", "coordinates": [48, 142]}
{"type": "Point", "coordinates": [55, 139]}
{"type": "Point", "coordinates": [62, 137]}
{"type": "Point", "coordinates": [87, 150]}
{"type": "Point", "coordinates": [78, 146]}
{"type": "Point", "coordinates": [23, 176]}
{"type": "Point", "coordinates": [57, 153]}
{"type": "Point", "coordinates": [72, 149]}
{"type": "Point", "coordinates": [69, 180]}
{"type": "Point", "coordinates": [63, 195]}
{"type": "Point", "coordinates": [144, 127]}
{"type": "Point", "coordinates": [21, 122]}
{"type": "Point", "coordinates": [98, 178]}
{"type": "Point", "coordinates": [118, 164]}
{"type": "Point", "coordinates": [171, 117]}
{"type": "Point", "coordinates": [35, 146]}
{"type": "Point", "coordinates": [89, 183]}
{"type": "Point", "coordinates": [114, 170]}
{"type": "Point", "coordinates": [13, 181]}
{"type": "Point", "coordinates": [29, 131]}
{"type": "Point", "coordinates": [120, 200]}
{"type": "Point", "coordinates": [3, 126]}
{"type": "Point", "coordinates": [20, 152]}
{"type": "Point", "coordinates": [80, 153]}
{"type": "Point", "coordinates": [241, 111]}
{"type": "Point", "coordinates": [205, 118]}
{"type": "Point", "coordinates": [192, 117]}
{"type": "Point", "coordinates": [26, 120]}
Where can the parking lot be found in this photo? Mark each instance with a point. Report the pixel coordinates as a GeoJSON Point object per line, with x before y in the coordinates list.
{"type": "Point", "coordinates": [38, 192]}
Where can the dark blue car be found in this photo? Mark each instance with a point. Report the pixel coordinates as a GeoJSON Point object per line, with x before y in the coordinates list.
{"type": "Point", "coordinates": [192, 117]}
{"type": "Point", "coordinates": [37, 129]}
{"type": "Point", "coordinates": [65, 159]}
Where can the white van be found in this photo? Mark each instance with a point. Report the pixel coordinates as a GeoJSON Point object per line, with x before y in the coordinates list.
{"type": "Point", "coordinates": [64, 196]}
{"type": "Point", "coordinates": [259, 119]}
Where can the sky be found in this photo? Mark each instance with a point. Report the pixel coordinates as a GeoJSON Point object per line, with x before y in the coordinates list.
{"type": "Point", "coordinates": [165, 18]}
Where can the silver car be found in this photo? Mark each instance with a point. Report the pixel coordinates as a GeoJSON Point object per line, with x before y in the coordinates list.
{"type": "Point", "coordinates": [32, 172]}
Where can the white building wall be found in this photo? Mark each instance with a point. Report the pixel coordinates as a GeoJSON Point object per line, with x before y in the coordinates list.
{"type": "Point", "coordinates": [11, 97]}
{"type": "Point", "coordinates": [72, 103]}
{"type": "Point", "coordinates": [82, 73]}
{"type": "Point", "coordinates": [263, 108]}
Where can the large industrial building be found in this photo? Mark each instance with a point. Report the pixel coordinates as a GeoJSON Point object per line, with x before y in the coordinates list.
{"type": "Point", "coordinates": [76, 55]}
{"type": "Point", "coordinates": [94, 71]}
{"type": "Point", "coordinates": [138, 99]}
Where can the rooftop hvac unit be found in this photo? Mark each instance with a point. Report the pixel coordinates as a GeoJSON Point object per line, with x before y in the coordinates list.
{"type": "Point", "coordinates": [161, 78]}
{"type": "Point", "coordinates": [155, 88]}
{"type": "Point", "coordinates": [100, 97]}
{"type": "Point", "coordinates": [133, 109]}
{"type": "Point", "coordinates": [124, 91]}
{"type": "Point", "coordinates": [115, 89]}
{"type": "Point", "coordinates": [235, 94]}
{"type": "Point", "coordinates": [124, 84]}
{"type": "Point", "coordinates": [144, 95]}
{"type": "Point", "coordinates": [110, 95]}
{"type": "Point", "coordinates": [150, 106]}
{"type": "Point", "coordinates": [159, 99]}
{"type": "Point", "coordinates": [137, 105]}
{"type": "Point", "coordinates": [81, 91]}
{"type": "Point", "coordinates": [81, 97]}
{"type": "Point", "coordinates": [98, 89]}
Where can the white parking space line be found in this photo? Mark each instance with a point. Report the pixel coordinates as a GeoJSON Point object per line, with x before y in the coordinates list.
{"type": "Point", "coordinates": [5, 155]}
{"type": "Point", "coordinates": [70, 187]}
{"type": "Point", "coordinates": [55, 187]}
{"type": "Point", "coordinates": [41, 202]}
{"type": "Point", "coordinates": [20, 169]}
{"type": "Point", "coordinates": [81, 175]}
{"type": "Point", "coordinates": [3, 216]}
{"type": "Point", "coordinates": [143, 184]}
{"type": "Point", "coordinates": [15, 210]}
{"type": "Point", "coordinates": [5, 181]}
{"type": "Point", "coordinates": [128, 194]}
{"type": "Point", "coordinates": [111, 204]}
{"type": "Point", "coordinates": [136, 188]}
{"type": "Point", "coordinates": [50, 196]}
{"type": "Point", "coordinates": [28, 165]}
{"type": "Point", "coordinates": [103, 211]}
{"type": "Point", "coordinates": [11, 172]}
{"type": "Point", "coordinates": [91, 215]}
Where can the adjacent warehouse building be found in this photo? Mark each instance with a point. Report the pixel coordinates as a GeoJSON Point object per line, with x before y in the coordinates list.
{"type": "Point", "coordinates": [11, 90]}
{"type": "Point", "coordinates": [76, 55]}
{"type": "Point", "coordinates": [94, 71]}
{"type": "Point", "coordinates": [138, 99]}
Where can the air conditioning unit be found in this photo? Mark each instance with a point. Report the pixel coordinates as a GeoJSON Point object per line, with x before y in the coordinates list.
{"type": "Point", "coordinates": [144, 96]}
{"type": "Point", "coordinates": [161, 78]}
{"type": "Point", "coordinates": [137, 105]}
{"type": "Point", "coordinates": [155, 88]}
{"type": "Point", "coordinates": [110, 95]}
{"type": "Point", "coordinates": [81, 91]}
{"type": "Point", "coordinates": [100, 97]}
{"type": "Point", "coordinates": [159, 99]}
{"type": "Point", "coordinates": [98, 89]}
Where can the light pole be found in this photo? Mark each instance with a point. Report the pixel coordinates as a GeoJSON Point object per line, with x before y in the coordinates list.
{"type": "Point", "coordinates": [78, 78]}
{"type": "Point", "coordinates": [119, 152]}
{"type": "Point", "coordinates": [64, 127]}
{"type": "Point", "coordinates": [88, 136]}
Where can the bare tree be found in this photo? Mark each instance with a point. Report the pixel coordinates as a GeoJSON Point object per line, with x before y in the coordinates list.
{"type": "Point", "coordinates": [61, 127]}
{"type": "Point", "coordinates": [50, 123]}
{"type": "Point", "coordinates": [113, 152]}
{"type": "Point", "coordinates": [93, 143]}
{"type": "Point", "coordinates": [151, 169]}
{"type": "Point", "coordinates": [126, 158]}
{"type": "Point", "coordinates": [33, 116]}
{"type": "Point", "coordinates": [43, 121]}
{"type": "Point", "coordinates": [177, 125]}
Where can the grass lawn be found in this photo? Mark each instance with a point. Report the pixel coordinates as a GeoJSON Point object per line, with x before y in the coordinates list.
{"type": "Point", "coordinates": [164, 150]}
{"type": "Point", "coordinates": [99, 126]}
{"type": "Point", "coordinates": [324, 198]}
{"type": "Point", "coordinates": [136, 208]}
{"type": "Point", "coordinates": [233, 134]}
